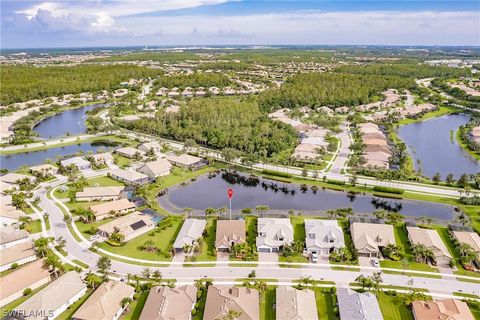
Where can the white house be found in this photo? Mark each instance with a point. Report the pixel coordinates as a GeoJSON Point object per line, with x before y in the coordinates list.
{"type": "Point", "coordinates": [273, 233]}
{"type": "Point", "coordinates": [129, 177]}
{"type": "Point", "coordinates": [191, 230]}
{"type": "Point", "coordinates": [322, 236]}
{"type": "Point", "coordinates": [79, 162]}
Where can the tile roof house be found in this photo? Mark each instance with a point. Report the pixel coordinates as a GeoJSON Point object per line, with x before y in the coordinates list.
{"type": "Point", "coordinates": [79, 162]}
{"type": "Point", "coordinates": [44, 169]}
{"type": "Point", "coordinates": [369, 238]}
{"type": "Point", "coordinates": [294, 304]}
{"type": "Point", "coordinates": [105, 303]}
{"type": "Point", "coordinates": [430, 239]}
{"type": "Point", "coordinates": [471, 238]}
{"type": "Point", "coordinates": [191, 230]}
{"type": "Point", "coordinates": [129, 177]}
{"type": "Point", "coordinates": [130, 226]}
{"type": "Point", "coordinates": [9, 214]}
{"type": "Point", "coordinates": [53, 299]}
{"type": "Point", "coordinates": [165, 303]}
{"type": "Point", "coordinates": [10, 236]}
{"type": "Point", "coordinates": [147, 146]}
{"type": "Point", "coordinates": [446, 309]}
{"type": "Point", "coordinates": [229, 233]}
{"type": "Point", "coordinates": [186, 161]}
{"type": "Point", "coordinates": [222, 299]}
{"type": "Point", "coordinates": [117, 207]}
{"type": "Point", "coordinates": [322, 236]}
{"type": "Point", "coordinates": [129, 152]}
{"type": "Point", "coordinates": [19, 254]}
{"type": "Point", "coordinates": [32, 276]}
{"type": "Point", "coordinates": [157, 168]}
{"type": "Point", "coordinates": [104, 158]}
{"type": "Point", "coordinates": [99, 193]}
{"type": "Point", "coordinates": [358, 306]}
{"type": "Point", "coordinates": [273, 233]}
{"type": "Point", "coordinates": [14, 178]}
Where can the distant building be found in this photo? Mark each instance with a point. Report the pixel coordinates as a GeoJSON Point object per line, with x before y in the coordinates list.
{"type": "Point", "coordinates": [19, 254]}
{"type": "Point", "coordinates": [129, 152]}
{"type": "Point", "coordinates": [358, 306]}
{"type": "Point", "coordinates": [322, 236]}
{"type": "Point", "coordinates": [223, 299]}
{"type": "Point", "coordinates": [147, 146]}
{"type": "Point", "coordinates": [229, 233]}
{"type": "Point", "coordinates": [130, 226]}
{"type": "Point", "coordinates": [190, 232]}
{"type": "Point", "coordinates": [273, 233]}
{"type": "Point", "coordinates": [448, 309]}
{"type": "Point", "coordinates": [187, 161]}
{"type": "Point", "coordinates": [294, 304]}
{"type": "Point", "coordinates": [157, 168]}
{"type": "Point", "coordinates": [164, 303]}
{"type": "Point", "coordinates": [44, 170]}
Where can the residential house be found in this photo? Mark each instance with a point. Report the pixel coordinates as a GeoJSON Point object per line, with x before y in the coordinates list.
{"type": "Point", "coordinates": [129, 152]}
{"type": "Point", "coordinates": [106, 302]}
{"type": "Point", "coordinates": [470, 238]}
{"type": "Point", "coordinates": [102, 159]}
{"type": "Point", "coordinates": [32, 276]}
{"type": "Point", "coordinates": [165, 303]}
{"type": "Point", "coordinates": [129, 226]}
{"type": "Point", "coordinates": [358, 306]}
{"type": "Point", "coordinates": [129, 177]}
{"type": "Point", "coordinates": [370, 238]}
{"type": "Point", "coordinates": [9, 214]}
{"type": "Point", "coordinates": [10, 236]}
{"type": "Point", "coordinates": [446, 309]}
{"type": "Point", "coordinates": [79, 162]}
{"type": "Point", "coordinates": [54, 299]}
{"type": "Point", "coordinates": [322, 236]}
{"type": "Point", "coordinates": [191, 231]}
{"type": "Point", "coordinates": [147, 146]}
{"type": "Point", "coordinates": [223, 299]}
{"type": "Point", "coordinates": [229, 233]}
{"type": "Point", "coordinates": [44, 170]}
{"type": "Point", "coordinates": [430, 239]}
{"type": "Point", "coordinates": [157, 168]}
{"type": "Point", "coordinates": [186, 161]}
{"type": "Point", "coordinates": [273, 233]}
{"type": "Point", "coordinates": [294, 304]}
{"type": "Point", "coordinates": [100, 193]}
{"type": "Point", "coordinates": [13, 178]}
{"type": "Point", "coordinates": [19, 254]}
{"type": "Point", "coordinates": [115, 207]}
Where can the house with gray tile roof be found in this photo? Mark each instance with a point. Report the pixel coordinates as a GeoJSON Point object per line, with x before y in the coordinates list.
{"type": "Point", "coordinates": [273, 233]}
{"type": "Point", "coordinates": [322, 236]}
{"type": "Point", "coordinates": [358, 306]}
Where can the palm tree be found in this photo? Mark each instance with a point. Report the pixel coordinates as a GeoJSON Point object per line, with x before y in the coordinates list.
{"type": "Point", "coordinates": [41, 246]}
{"type": "Point", "coordinates": [376, 280]}
{"type": "Point", "coordinates": [232, 315]}
{"type": "Point", "coordinates": [53, 262]}
{"type": "Point", "coordinates": [467, 253]}
{"type": "Point", "coordinates": [104, 264]}
{"type": "Point", "coordinates": [91, 279]}
{"type": "Point", "coordinates": [187, 211]}
{"type": "Point", "coordinates": [61, 242]}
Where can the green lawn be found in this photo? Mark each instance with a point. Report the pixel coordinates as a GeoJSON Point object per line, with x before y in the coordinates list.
{"type": "Point", "coordinates": [67, 314]}
{"type": "Point", "coordinates": [84, 228]}
{"type": "Point", "coordinates": [162, 239]}
{"type": "Point", "coordinates": [80, 205]}
{"type": "Point", "coordinates": [267, 300]}
{"type": "Point", "coordinates": [121, 161]}
{"type": "Point", "coordinates": [411, 266]}
{"type": "Point", "coordinates": [251, 230]}
{"type": "Point", "coordinates": [298, 224]}
{"type": "Point", "coordinates": [103, 181]}
{"type": "Point", "coordinates": [440, 112]}
{"type": "Point", "coordinates": [136, 307]}
{"type": "Point", "coordinates": [325, 304]}
{"type": "Point", "coordinates": [34, 227]}
{"type": "Point", "coordinates": [208, 243]}
{"type": "Point", "coordinates": [393, 308]}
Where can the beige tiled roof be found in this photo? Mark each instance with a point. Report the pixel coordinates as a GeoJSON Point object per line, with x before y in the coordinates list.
{"type": "Point", "coordinates": [124, 224]}
{"type": "Point", "coordinates": [165, 303]}
{"type": "Point", "coordinates": [293, 304]}
{"type": "Point", "coordinates": [105, 302]}
{"type": "Point", "coordinates": [91, 192]}
{"type": "Point", "coordinates": [183, 159]}
{"type": "Point", "coordinates": [229, 231]}
{"type": "Point", "coordinates": [156, 168]}
{"type": "Point", "coordinates": [448, 309]}
{"type": "Point", "coordinates": [10, 234]}
{"type": "Point", "coordinates": [15, 253]}
{"type": "Point", "coordinates": [222, 299]}
{"type": "Point", "coordinates": [429, 238]}
{"type": "Point", "coordinates": [370, 236]}
{"type": "Point", "coordinates": [22, 278]}
{"type": "Point", "coordinates": [115, 206]}
{"type": "Point", "coordinates": [471, 238]}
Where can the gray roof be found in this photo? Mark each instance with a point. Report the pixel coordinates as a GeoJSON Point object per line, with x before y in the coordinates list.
{"type": "Point", "coordinates": [271, 230]}
{"type": "Point", "coordinates": [191, 230]}
{"type": "Point", "coordinates": [358, 306]}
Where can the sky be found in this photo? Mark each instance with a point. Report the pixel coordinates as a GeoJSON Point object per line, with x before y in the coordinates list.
{"type": "Point", "coordinates": [101, 23]}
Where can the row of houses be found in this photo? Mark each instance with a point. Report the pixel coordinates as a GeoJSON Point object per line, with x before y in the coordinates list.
{"type": "Point", "coordinates": [376, 151]}
{"type": "Point", "coordinates": [190, 92]}
{"type": "Point", "coordinates": [475, 134]}
{"type": "Point", "coordinates": [391, 98]}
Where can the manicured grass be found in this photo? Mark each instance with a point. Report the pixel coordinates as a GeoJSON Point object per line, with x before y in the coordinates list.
{"type": "Point", "coordinates": [295, 258]}
{"type": "Point", "coordinates": [136, 307]}
{"type": "Point", "coordinates": [267, 302]}
{"type": "Point", "coordinates": [80, 263]}
{"type": "Point", "coordinates": [12, 305]}
{"type": "Point", "coordinates": [67, 314]}
{"type": "Point", "coordinates": [84, 228]}
{"type": "Point", "coordinates": [163, 240]}
{"type": "Point", "coordinates": [121, 161]}
{"type": "Point", "coordinates": [442, 110]}
{"type": "Point", "coordinates": [80, 205]}
{"type": "Point", "coordinates": [411, 266]}
{"type": "Point", "coordinates": [251, 222]}
{"type": "Point", "coordinates": [103, 181]}
{"type": "Point", "coordinates": [208, 242]}
{"type": "Point", "coordinates": [393, 307]}
{"type": "Point", "coordinates": [201, 305]}
{"type": "Point", "coordinates": [298, 224]}
{"type": "Point", "coordinates": [34, 227]}
{"type": "Point", "coordinates": [411, 274]}
{"type": "Point", "coordinates": [325, 304]}
{"type": "Point", "coordinates": [466, 295]}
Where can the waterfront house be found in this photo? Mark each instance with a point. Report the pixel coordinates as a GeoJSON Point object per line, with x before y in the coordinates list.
{"type": "Point", "coordinates": [99, 193]}
{"type": "Point", "coordinates": [100, 159]}
{"type": "Point", "coordinates": [190, 232]}
{"type": "Point", "coordinates": [78, 162]}
{"type": "Point", "coordinates": [54, 299]}
{"type": "Point", "coordinates": [147, 146]}
{"type": "Point", "coordinates": [165, 303]}
{"type": "Point", "coordinates": [322, 236]}
{"type": "Point", "coordinates": [129, 152]}
{"type": "Point", "coordinates": [32, 276]}
{"type": "Point", "coordinates": [186, 161]}
{"type": "Point", "coordinates": [13, 178]}
{"type": "Point", "coordinates": [129, 226]}
{"type": "Point", "coordinates": [18, 254]}
{"type": "Point", "coordinates": [358, 306]}
{"type": "Point", "coordinates": [430, 239]}
{"type": "Point", "coordinates": [112, 208]}
{"type": "Point", "coordinates": [470, 238]}
{"type": "Point", "coordinates": [106, 302]}
{"type": "Point", "coordinates": [155, 169]}
{"type": "Point", "coordinates": [9, 214]}
{"type": "Point", "coordinates": [294, 304]}
{"type": "Point", "coordinates": [448, 309]}
{"type": "Point", "coordinates": [44, 170]}
{"type": "Point", "coordinates": [229, 233]}
{"type": "Point", "coordinates": [370, 238]}
{"type": "Point", "coordinates": [221, 300]}
{"type": "Point", "coordinates": [273, 233]}
{"type": "Point", "coordinates": [129, 177]}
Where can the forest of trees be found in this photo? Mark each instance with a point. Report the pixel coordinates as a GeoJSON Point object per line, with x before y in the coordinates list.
{"type": "Point", "coordinates": [405, 70]}
{"type": "Point", "coordinates": [332, 89]}
{"type": "Point", "coordinates": [150, 56]}
{"type": "Point", "coordinates": [22, 83]}
{"type": "Point", "coordinates": [223, 65]}
{"type": "Point", "coordinates": [194, 80]}
{"type": "Point", "coordinates": [222, 123]}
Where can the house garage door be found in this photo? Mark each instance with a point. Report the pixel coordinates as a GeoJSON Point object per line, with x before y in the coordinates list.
{"type": "Point", "coordinates": [263, 249]}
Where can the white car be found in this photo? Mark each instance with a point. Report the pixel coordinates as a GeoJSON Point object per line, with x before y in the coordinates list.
{"type": "Point", "coordinates": [94, 238]}
{"type": "Point", "coordinates": [314, 257]}
{"type": "Point", "coordinates": [375, 263]}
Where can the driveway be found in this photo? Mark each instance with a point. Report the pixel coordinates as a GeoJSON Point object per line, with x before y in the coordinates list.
{"type": "Point", "coordinates": [222, 256]}
{"type": "Point", "coordinates": [268, 257]}
{"type": "Point", "coordinates": [365, 261]}
{"type": "Point", "coordinates": [179, 257]}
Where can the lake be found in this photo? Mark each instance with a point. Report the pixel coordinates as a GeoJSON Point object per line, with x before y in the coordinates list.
{"type": "Point", "coordinates": [434, 150]}
{"type": "Point", "coordinates": [14, 161]}
{"type": "Point", "coordinates": [70, 121]}
{"type": "Point", "coordinates": [212, 192]}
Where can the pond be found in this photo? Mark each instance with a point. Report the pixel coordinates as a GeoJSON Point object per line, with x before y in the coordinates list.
{"type": "Point", "coordinates": [14, 161]}
{"type": "Point", "coordinates": [434, 148]}
{"type": "Point", "coordinates": [70, 121]}
{"type": "Point", "coordinates": [211, 191]}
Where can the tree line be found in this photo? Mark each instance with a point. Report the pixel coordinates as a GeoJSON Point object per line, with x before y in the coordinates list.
{"type": "Point", "coordinates": [194, 80]}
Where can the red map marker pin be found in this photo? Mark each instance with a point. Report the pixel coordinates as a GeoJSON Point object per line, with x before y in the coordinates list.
{"type": "Point", "coordinates": [230, 193]}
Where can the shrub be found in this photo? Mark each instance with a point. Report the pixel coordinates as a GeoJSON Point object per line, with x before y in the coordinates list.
{"type": "Point", "coordinates": [27, 291]}
{"type": "Point", "coordinates": [336, 182]}
{"type": "Point", "coordinates": [388, 189]}
{"type": "Point", "coordinates": [277, 173]}
{"type": "Point", "coordinates": [14, 266]}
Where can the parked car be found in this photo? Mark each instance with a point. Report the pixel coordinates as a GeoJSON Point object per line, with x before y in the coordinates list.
{"type": "Point", "coordinates": [314, 257]}
{"type": "Point", "coordinates": [376, 263]}
{"type": "Point", "coordinates": [94, 238]}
